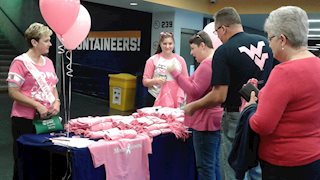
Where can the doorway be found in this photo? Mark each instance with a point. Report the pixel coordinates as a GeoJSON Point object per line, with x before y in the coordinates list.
{"type": "Point", "coordinates": [185, 49]}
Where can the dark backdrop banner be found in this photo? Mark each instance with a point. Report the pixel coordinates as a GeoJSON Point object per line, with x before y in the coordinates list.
{"type": "Point", "coordinates": [118, 42]}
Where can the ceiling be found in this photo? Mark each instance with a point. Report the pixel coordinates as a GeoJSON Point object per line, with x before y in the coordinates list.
{"type": "Point", "coordinates": [142, 5]}
{"type": "Point", "coordinates": [251, 20]}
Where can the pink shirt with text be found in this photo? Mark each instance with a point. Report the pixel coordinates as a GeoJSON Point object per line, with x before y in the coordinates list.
{"type": "Point", "coordinates": [169, 94]}
{"type": "Point", "coordinates": [123, 159]}
{"type": "Point", "coordinates": [20, 75]}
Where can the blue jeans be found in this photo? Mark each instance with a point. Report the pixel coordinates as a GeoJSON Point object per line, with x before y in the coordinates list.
{"type": "Point", "coordinates": [207, 148]}
{"type": "Point", "coordinates": [254, 173]}
{"type": "Point", "coordinates": [229, 125]}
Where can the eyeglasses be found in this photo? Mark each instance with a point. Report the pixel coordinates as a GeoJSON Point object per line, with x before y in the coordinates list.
{"type": "Point", "coordinates": [216, 30]}
{"type": "Point", "coordinates": [270, 38]}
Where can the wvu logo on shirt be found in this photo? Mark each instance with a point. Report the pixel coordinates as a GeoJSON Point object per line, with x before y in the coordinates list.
{"type": "Point", "coordinates": [255, 53]}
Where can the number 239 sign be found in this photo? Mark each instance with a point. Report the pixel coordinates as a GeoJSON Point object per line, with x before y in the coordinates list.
{"type": "Point", "coordinates": [166, 24]}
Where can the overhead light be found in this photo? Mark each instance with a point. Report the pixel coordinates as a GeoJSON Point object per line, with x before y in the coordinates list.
{"type": "Point", "coordinates": [133, 4]}
{"type": "Point", "coordinates": [313, 49]}
{"type": "Point", "coordinates": [314, 29]}
{"type": "Point", "coordinates": [313, 20]}
{"type": "Point", "coordinates": [313, 35]}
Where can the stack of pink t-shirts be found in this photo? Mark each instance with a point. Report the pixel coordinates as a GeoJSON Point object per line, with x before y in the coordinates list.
{"type": "Point", "coordinates": [101, 126]}
{"type": "Point", "coordinates": [147, 111]}
{"type": "Point", "coordinates": [161, 112]}
{"type": "Point", "coordinates": [145, 121]}
{"type": "Point", "coordinates": [140, 122]}
{"type": "Point", "coordinates": [82, 124]}
{"type": "Point", "coordinates": [112, 134]}
{"type": "Point", "coordinates": [173, 116]}
{"type": "Point", "coordinates": [116, 134]}
{"type": "Point", "coordinates": [151, 125]}
{"type": "Point", "coordinates": [157, 129]}
{"type": "Point", "coordinates": [156, 120]}
{"type": "Point", "coordinates": [123, 122]}
{"type": "Point", "coordinates": [150, 120]}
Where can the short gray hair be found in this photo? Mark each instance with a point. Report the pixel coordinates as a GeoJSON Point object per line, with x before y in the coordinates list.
{"type": "Point", "coordinates": [291, 21]}
{"type": "Point", "coordinates": [227, 16]}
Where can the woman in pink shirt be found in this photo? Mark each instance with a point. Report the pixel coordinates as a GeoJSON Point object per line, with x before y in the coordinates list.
{"type": "Point", "coordinates": [164, 90]}
{"type": "Point", "coordinates": [288, 113]}
{"type": "Point", "coordinates": [205, 122]}
{"type": "Point", "coordinates": [23, 88]}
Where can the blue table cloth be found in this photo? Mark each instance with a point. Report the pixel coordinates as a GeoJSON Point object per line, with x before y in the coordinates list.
{"type": "Point", "coordinates": [171, 159]}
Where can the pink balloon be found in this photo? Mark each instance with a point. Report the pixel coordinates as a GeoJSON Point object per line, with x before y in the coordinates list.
{"type": "Point", "coordinates": [78, 31]}
{"type": "Point", "coordinates": [209, 29]}
{"type": "Point", "coordinates": [59, 14]}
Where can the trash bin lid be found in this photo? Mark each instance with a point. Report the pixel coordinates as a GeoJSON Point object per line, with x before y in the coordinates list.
{"type": "Point", "coordinates": [123, 80]}
{"type": "Point", "coordinates": [123, 76]}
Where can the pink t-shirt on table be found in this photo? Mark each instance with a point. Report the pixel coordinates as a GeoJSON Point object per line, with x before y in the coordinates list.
{"type": "Point", "coordinates": [123, 159]}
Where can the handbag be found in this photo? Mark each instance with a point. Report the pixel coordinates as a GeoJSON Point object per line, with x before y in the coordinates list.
{"type": "Point", "coordinates": [48, 125]}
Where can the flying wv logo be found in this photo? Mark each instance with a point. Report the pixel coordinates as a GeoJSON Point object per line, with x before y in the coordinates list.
{"type": "Point", "coordinates": [255, 53]}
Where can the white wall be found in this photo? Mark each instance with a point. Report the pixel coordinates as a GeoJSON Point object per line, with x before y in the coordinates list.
{"type": "Point", "coordinates": [174, 22]}
{"type": "Point", "coordinates": [161, 22]}
{"type": "Point", "coordinates": [187, 20]}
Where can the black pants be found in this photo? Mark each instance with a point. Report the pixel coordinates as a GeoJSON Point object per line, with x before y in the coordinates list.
{"type": "Point", "coordinates": [149, 101]}
{"type": "Point", "coordinates": [19, 127]}
{"type": "Point", "coordinates": [309, 172]}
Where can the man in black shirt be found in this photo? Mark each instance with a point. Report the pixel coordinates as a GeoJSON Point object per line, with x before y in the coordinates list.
{"type": "Point", "coordinates": [241, 57]}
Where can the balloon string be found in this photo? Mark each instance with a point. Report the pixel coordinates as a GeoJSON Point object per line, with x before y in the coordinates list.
{"type": "Point", "coordinates": [69, 66]}
{"type": "Point", "coordinates": [69, 73]}
{"type": "Point", "coordinates": [61, 51]}
{"type": "Point", "coordinates": [66, 101]}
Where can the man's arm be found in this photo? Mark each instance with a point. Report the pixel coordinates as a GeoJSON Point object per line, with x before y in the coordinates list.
{"type": "Point", "coordinates": [216, 96]}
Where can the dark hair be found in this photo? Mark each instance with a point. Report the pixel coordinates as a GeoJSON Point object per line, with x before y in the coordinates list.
{"type": "Point", "coordinates": [200, 37]}
{"type": "Point", "coordinates": [164, 35]}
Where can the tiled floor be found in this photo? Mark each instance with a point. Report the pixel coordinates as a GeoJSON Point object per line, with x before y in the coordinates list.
{"type": "Point", "coordinates": [81, 105]}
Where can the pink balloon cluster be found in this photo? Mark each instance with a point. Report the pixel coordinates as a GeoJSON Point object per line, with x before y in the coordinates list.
{"type": "Point", "coordinates": [68, 19]}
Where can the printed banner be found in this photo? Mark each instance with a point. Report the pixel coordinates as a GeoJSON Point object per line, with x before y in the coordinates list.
{"type": "Point", "coordinates": [112, 41]}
